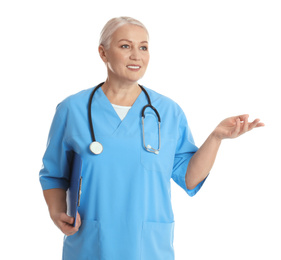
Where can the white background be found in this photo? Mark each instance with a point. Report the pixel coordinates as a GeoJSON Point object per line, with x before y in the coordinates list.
{"type": "Point", "coordinates": [214, 58]}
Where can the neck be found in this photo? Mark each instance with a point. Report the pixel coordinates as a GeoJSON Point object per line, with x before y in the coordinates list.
{"type": "Point", "coordinates": [121, 93]}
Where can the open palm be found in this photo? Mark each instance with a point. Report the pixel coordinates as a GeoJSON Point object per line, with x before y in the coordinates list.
{"type": "Point", "coordinates": [235, 126]}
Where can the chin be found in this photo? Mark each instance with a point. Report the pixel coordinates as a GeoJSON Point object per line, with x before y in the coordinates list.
{"type": "Point", "coordinates": [135, 78]}
{"type": "Point", "coordinates": [132, 79]}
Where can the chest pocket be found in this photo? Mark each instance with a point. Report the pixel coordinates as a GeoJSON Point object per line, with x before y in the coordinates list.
{"type": "Point", "coordinates": [164, 160]}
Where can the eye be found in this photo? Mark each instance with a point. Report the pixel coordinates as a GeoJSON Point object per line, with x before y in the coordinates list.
{"type": "Point", "coordinates": [144, 48]}
{"type": "Point", "coordinates": [125, 46]}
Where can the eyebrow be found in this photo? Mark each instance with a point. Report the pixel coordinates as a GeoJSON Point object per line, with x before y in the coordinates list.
{"type": "Point", "coordinates": [131, 41]}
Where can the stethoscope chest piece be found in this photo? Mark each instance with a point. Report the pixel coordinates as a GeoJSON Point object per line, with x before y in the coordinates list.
{"type": "Point", "coordinates": [96, 147]}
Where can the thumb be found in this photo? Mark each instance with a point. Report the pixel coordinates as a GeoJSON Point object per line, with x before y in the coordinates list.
{"type": "Point", "coordinates": [65, 218]}
{"type": "Point", "coordinates": [78, 220]}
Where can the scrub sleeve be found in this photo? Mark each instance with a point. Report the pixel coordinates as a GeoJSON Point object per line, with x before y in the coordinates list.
{"type": "Point", "coordinates": [57, 158]}
{"type": "Point", "coordinates": [184, 151]}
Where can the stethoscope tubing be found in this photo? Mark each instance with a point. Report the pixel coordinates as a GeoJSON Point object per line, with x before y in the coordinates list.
{"type": "Point", "coordinates": [90, 112]}
{"type": "Point", "coordinates": [150, 149]}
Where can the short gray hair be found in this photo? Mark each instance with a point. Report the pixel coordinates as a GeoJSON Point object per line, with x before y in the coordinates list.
{"type": "Point", "coordinates": [112, 25]}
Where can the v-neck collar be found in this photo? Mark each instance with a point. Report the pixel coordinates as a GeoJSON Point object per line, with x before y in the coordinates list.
{"type": "Point", "coordinates": [133, 114]}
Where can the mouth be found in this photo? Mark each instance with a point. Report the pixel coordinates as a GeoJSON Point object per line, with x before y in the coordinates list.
{"type": "Point", "coordinates": [133, 67]}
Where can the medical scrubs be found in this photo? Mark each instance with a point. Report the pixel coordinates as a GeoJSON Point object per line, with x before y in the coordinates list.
{"type": "Point", "coordinates": [125, 208]}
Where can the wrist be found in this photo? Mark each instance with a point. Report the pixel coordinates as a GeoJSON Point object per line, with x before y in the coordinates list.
{"type": "Point", "coordinates": [216, 137]}
{"type": "Point", "coordinates": [57, 209]}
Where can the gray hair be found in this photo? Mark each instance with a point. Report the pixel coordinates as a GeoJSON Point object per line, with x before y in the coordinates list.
{"type": "Point", "coordinates": [112, 25]}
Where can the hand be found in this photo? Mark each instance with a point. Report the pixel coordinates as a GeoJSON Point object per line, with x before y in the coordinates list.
{"type": "Point", "coordinates": [65, 222]}
{"type": "Point", "coordinates": [235, 126]}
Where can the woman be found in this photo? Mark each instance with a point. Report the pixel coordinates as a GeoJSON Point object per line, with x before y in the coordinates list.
{"type": "Point", "coordinates": [125, 210]}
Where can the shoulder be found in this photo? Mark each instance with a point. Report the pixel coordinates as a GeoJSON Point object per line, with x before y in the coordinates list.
{"type": "Point", "coordinates": [74, 101]}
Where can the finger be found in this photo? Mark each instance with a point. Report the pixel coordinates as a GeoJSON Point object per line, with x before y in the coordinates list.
{"type": "Point", "coordinates": [67, 219]}
{"type": "Point", "coordinates": [242, 117]}
{"type": "Point", "coordinates": [260, 124]}
{"type": "Point", "coordinates": [253, 124]}
{"type": "Point", "coordinates": [245, 127]}
{"type": "Point", "coordinates": [69, 230]}
{"type": "Point", "coordinates": [78, 220]}
{"type": "Point", "coordinates": [237, 128]}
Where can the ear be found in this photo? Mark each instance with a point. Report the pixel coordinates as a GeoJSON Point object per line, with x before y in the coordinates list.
{"type": "Point", "coordinates": [102, 53]}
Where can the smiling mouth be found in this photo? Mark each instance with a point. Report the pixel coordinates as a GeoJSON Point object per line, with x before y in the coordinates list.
{"type": "Point", "coordinates": [133, 67]}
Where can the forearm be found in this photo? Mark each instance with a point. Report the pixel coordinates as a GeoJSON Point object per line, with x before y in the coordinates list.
{"type": "Point", "coordinates": [202, 161]}
{"type": "Point", "coordinates": [56, 200]}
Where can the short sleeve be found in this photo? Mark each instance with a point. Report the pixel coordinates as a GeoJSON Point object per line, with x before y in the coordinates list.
{"type": "Point", "coordinates": [55, 168]}
{"type": "Point", "coordinates": [184, 151]}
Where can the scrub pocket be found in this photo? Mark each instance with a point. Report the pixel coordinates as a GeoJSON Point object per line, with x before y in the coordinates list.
{"type": "Point", "coordinates": [157, 241]}
{"type": "Point", "coordinates": [162, 162]}
{"type": "Point", "coordinates": [84, 244]}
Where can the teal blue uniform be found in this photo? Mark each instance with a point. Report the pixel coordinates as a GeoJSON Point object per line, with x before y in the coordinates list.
{"type": "Point", "coordinates": [125, 208]}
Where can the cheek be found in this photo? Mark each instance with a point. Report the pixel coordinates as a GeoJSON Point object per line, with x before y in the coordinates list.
{"type": "Point", "coordinates": [117, 60]}
{"type": "Point", "coordinates": [114, 64]}
{"type": "Point", "coordinates": [146, 59]}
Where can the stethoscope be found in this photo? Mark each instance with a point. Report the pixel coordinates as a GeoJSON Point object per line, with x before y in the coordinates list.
{"type": "Point", "coordinates": [96, 147]}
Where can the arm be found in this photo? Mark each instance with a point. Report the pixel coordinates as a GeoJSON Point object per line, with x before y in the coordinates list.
{"type": "Point", "coordinates": [54, 174]}
{"type": "Point", "coordinates": [56, 201]}
{"type": "Point", "coordinates": [202, 161]}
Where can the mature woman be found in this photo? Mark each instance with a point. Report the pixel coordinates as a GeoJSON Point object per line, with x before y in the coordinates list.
{"type": "Point", "coordinates": [125, 211]}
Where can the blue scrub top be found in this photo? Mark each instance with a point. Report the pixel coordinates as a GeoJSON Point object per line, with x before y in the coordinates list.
{"type": "Point", "coordinates": [125, 205]}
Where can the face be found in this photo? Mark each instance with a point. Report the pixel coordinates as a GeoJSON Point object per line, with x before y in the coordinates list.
{"type": "Point", "coordinates": [128, 56]}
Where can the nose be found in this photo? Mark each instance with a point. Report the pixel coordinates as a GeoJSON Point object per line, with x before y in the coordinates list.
{"type": "Point", "coordinates": [135, 54]}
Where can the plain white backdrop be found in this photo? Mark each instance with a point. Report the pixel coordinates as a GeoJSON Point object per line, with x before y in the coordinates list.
{"type": "Point", "coordinates": [214, 58]}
